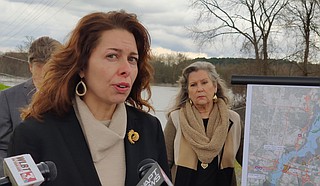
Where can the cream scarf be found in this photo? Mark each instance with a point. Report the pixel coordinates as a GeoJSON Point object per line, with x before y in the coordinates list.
{"type": "Point", "coordinates": [206, 144]}
{"type": "Point", "coordinates": [106, 144]}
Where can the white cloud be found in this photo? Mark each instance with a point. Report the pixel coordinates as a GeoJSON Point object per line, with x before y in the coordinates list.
{"type": "Point", "coordinates": [192, 55]}
{"type": "Point", "coordinates": [166, 21]}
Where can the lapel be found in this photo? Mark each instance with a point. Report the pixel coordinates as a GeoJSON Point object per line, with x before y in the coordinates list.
{"type": "Point", "coordinates": [28, 90]}
{"type": "Point", "coordinates": [75, 141]}
{"type": "Point", "coordinates": [134, 152]}
{"type": "Point", "coordinates": [20, 99]}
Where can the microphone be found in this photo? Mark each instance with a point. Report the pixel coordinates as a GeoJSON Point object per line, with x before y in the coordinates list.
{"type": "Point", "coordinates": [21, 170]}
{"type": "Point", "coordinates": [151, 174]}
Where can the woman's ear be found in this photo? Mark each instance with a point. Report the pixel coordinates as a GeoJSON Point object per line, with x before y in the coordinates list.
{"type": "Point", "coordinates": [81, 74]}
{"type": "Point", "coordinates": [217, 86]}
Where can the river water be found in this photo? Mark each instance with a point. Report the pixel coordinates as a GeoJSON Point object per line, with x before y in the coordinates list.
{"type": "Point", "coordinates": [10, 80]}
{"type": "Point", "coordinates": [161, 95]}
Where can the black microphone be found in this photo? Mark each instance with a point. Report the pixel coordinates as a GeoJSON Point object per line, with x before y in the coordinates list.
{"type": "Point", "coordinates": [22, 171]}
{"type": "Point", "coordinates": [151, 174]}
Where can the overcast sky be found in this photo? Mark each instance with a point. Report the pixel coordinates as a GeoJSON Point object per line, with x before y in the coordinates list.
{"type": "Point", "coordinates": [166, 21]}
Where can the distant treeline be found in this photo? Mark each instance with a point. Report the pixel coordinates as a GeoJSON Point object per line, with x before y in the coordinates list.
{"type": "Point", "coordinates": [167, 73]}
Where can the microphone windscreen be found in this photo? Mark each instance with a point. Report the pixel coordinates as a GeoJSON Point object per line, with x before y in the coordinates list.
{"type": "Point", "coordinates": [48, 169]}
{"type": "Point", "coordinates": [52, 169]}
{"type": "Point", "coordinates": [144, 166]}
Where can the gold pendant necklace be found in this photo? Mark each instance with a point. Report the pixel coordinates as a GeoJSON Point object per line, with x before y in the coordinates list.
{"type": "Point", "coordinates": [204, 165]}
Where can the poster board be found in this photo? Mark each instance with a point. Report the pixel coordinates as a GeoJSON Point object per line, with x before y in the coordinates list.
{"type": "Point", "coordinates": [282, 135]}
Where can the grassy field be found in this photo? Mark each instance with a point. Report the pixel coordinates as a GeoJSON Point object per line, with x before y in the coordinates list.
{"type": "Point", "coordinates": [2, 86]}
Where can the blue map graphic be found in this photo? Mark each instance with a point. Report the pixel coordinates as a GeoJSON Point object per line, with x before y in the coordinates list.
{"type": "Point", "coordinates": [282, 136]}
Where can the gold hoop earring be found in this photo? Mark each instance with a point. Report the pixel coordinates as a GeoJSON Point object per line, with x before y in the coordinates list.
{"type": "Point", "coordinates": [215, 98]}
{"type": "Point", "coordinates": [190, 101]}
{"type": "Point", "coordinates": [83, 86]}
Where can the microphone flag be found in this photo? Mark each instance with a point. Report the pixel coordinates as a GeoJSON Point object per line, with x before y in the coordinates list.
{"type": "Point", "coordinates": [22, 170]}
{"type": "Point", "coordinates": [155, 177]}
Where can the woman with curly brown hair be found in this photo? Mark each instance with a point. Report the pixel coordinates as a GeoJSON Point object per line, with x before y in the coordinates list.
{"type": "Point", "coordinates": [90, 117]}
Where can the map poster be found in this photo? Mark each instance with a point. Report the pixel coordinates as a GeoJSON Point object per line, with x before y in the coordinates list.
{"type": "Point", "coordinates": [282, 136]}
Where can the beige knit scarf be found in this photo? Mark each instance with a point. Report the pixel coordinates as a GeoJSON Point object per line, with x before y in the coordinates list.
{"type": "Point", "coordinates": [206, 144]}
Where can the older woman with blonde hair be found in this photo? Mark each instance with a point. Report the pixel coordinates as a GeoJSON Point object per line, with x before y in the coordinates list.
{"type": "Point", "coordinates": [202, 134]}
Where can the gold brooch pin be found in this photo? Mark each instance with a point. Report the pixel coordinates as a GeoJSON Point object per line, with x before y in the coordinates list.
{"type": "Point", "coordinates": [133, 136]}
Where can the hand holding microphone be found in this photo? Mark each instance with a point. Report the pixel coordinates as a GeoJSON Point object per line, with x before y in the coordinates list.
{"type": "Point", "coordinates": [21, 170]}
{"type": "Point", "coordinates": [151, 174]}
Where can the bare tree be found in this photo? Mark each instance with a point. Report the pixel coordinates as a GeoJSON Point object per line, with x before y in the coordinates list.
{"type": "Point", "coordinates": [24, 47]}
{"type": "Point", "coordinates": [252, 19]}
{"type": "Point", "coordinates": [304, 16]}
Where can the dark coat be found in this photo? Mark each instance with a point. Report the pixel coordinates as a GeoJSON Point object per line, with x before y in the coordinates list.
{"type": "Point", "coordinates": [11, 101]}
{"type": "Point", "coordinates": [61, 140]}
